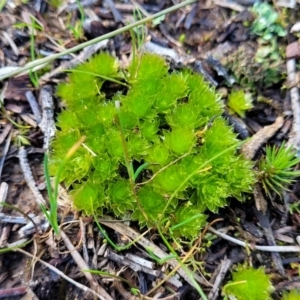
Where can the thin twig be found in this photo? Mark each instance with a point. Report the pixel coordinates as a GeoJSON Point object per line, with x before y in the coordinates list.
{"type": "Point", "coordinates": [34, 105]}
{"type": "Point", "coordinates": [255, 247]}
{"type": "Point", "coordinates": [294, 136]}
{"type": "Point", "coordinates": [29, 177]}
{"type": "Point", "coordinates": [47, 123]}
{"type": "Point", "coordinates": [4, 152]}
{"type": "Point", "coordinates": [57, 271]}
{"type": "Point", "coordinates": [12, 292]}
{"type": "Point", "coordinates": [222, 271]}
{"type": "Point", "coordinates": [250, 148]}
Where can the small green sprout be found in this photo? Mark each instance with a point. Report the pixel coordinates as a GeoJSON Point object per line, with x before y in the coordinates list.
{"type": "Point", "coordinates": [277, 169]}
{"type": "Point", "coordinates": [248, 284]}
{"type": "Point", "coordinates": [77, 29]}
{"type": "Point", "coordinates": [239, 102]}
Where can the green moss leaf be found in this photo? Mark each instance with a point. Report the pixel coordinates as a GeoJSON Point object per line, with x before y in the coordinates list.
{"type": "Point", "coordinates": [185, 115]}
{"type": "Point", "coordinates": [137, 146]}
{"type": "Point", "coordinates": [239, 102]}
{"type": "Point", "coordinates": [203, 96]}
{"type": "Point", "coordinates": [170, 179]}
{"type": "Point", "coordinates": [121, 199]}
{"type": "Point", "coordinates": [212, 192]}
{"type": "Point", "coordinates": [138, 102]}
{"type": "Point", "coordinates": [103, 64]}
{"type": "Point", "coordinates": [149, 128]}
{"type": "Point", "coordinates": [217, 138]}
{"type": "Point", "coordinates": [89, 198]}
{"type": "Point", "coordinates": [148, 67]}
{"type": "Point", "coordinates": [114, 143]}
{"type": "Point", "coordinates": [249, 284]}
{"type": "Point", "coordinates": [105, 168]}
{"type": "Point", "coordinates": [158, 154]}
{"type": "Point", "coordinates": [172, 88]}
{"type": "Point", "coordinates": [180, 140]}
{"type": "Point", "coordinates": [106, 113]}
{"type": "Point", "coordinates": [189, 222]}
{"type": "Point", "coordinates": [152, 203]}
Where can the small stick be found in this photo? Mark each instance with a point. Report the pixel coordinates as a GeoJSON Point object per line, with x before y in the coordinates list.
{"type": "Point", "coordinates": [250, 148]}
{"type": "Point", "coordinates": [12, 292]}
{"type": "Point", "coordinates": [47, 123]}
{"type": "Point", "coordinates": [33, 105]}
{"type": "Point", "coordinates": [29, 177]}
{"type": "Point", "coordinates": [255, 247]}
{"type": "Point", "coordinates": [3, 194]}
{"type": "Point", "coordinates": [222, 271]}
{"type": "Point", "coordinates": [4, 152]}
{"type": "Point", "coordinates": [132, 265]}
{"type": "Point", "coordinates": [117, 16]}
{"type": "Point", "coordinates": [294, 136]}
{"type": "Point", "coordinates": [265, 224]}
{"type": "Point", "coordinates": [57, 271]}
{"type": "Point", "coordinates": [141, 261]}
{"type": "Point", "coordinates": [5, 132]}
{"type": "Point", "coordinates": [13, 219]}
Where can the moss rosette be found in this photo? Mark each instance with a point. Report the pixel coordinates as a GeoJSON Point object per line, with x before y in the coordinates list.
{"type": "Point", "coordinates": [170, 120]}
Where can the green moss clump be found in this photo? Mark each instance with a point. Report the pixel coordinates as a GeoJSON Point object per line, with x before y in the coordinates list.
{"type": "Point", "coordinates": [169, 120]}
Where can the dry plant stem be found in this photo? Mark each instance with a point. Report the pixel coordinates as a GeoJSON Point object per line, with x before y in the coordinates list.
{"type": "Point", "coordinates": [117, 16]}
{"type": "Point", "coordinates": [34, 105]}
{"type": "Point", "coordinates": [127, 231]}
{"type": "Point", "coordinates": [260, 248]}
{"type": "Point", "coordinates": [222, 271]}
{"type": "Point", "coordinates": [5, 233]}
{"type": "Point", "coordinates": [48, 59]}
{"type": "Point", "coordinates": [3, 194]}
{"type": "Point", "coordinates": [141, 261]}
{"type": "Point", "coordinates": [29, 177]}
{"type": "Point", "coordinates": [250, 148]}
{"type": "Point", "coordinates": [13, 292]}
{"type": "Point", "coordinates": [5, 132]}
{"type": "Point", "coordinates": [5, 150]}
{"type": "Point", "coordinates": [120, 259]}
{"type": "Point", "coordinates": [55, 270]}
{"type": "Point", "coordinates": [30, 228]}
{"type": "Point", "coordinates": [260, 201]}
{"type": "Point", "coordinates": [47, 123]}
{"type": "Point", "coordinates": [83, 266]}
{"type": "Point", "coordinates": [265, 224]}
{"type": "Point", "coordinates": [294, 137]}
{"type": "Point", "coordinates": [13, 219]}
